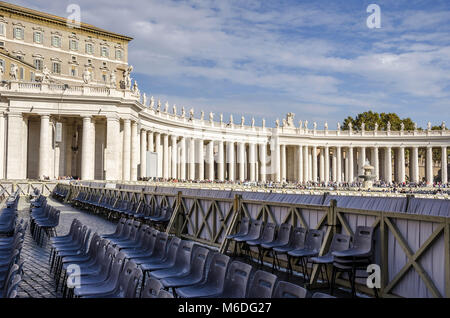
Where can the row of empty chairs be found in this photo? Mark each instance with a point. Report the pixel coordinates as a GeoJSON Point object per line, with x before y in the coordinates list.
{"type": "Point", "coordinates": [8, 215]}
{"type": "Point", "coordinates": [116, 208]}
{"type": "Point", "coordinates": [44, 219]}
{"type": "Point", "coordinates": [60, 192]}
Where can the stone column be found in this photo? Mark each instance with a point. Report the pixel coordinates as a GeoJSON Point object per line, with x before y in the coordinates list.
{"type": "Point", "coordinates": [322, 165]}
{"type": "Point", "coordinates": [414, 160]}
{"type": "Point", "coordinates": [327, 164]}
{"type": "Point", "coordinates": [263, 154]}
{"type": "Point", "coordinates": [192, 159]}
{"type": "Point", "coordinates": [376, 162]}
{"type": "Point", "coordinates": [306, 164]}
{"type": "Point", "coordinates": [388, 160]}
{"type": "Point", "coordinates": [429, 164]}
{"type": "Point", "coordinates": [275, 153]}
{"type": "Point", "coordinates": [166, 156]}
{"type": "Point", "coordinates": [14, 149]}
{"type": "Point", "coordinates": [174, 150]}
{"type": "Point", "coordinates": [182, 158]}
{"type": "Point", "coordinates": [314, 163]}
{"type": "Point", "coordinates": [220, 161]}
{"type": "Point", "coordinates": [334, 166]}
{"type": "Point", "coordinates": [143, 153]}
{"type": "Point", "coordinates": [210, 160]}
{"type": "Point", "coordinates": [44, 146]}
{"type": "Point", "coordinates": [241, 161]}
{"type": "Point", "coordinates": [339, 164]}
{"type": "Point", "coordinates": [112, 149]}
{"type": "Point", "coordinates": [2, 146]}
{"type": "Point", "coordinates": [299, 164]}
{"type": "Point", "coordinates": [88, 148]}
{"type": "Point", "coordinates": [362, 160]}
{"type": "Point", "coordinates": [126, 166]}
{"type": "Point", "coordinates": [158, 154]}
{"type": "Point", "coordinates": [252, 161]}
{"type": "Point", "coordinates": [351, 175]}
{"type": "Point", "coordinates": [200, 160]}
{"type": "Point", "coordinates": [283, 162]}
{"type": "Point", "coordinates": [402, 175]}
{"type": "Point", "coordinates": [134, 151]}
{"type": "Point", "coordinates": [444, 165]}
{"type": "Point", "coordinates": [150, 144]}
{"type": "Point", "coordinates": [230, 160]}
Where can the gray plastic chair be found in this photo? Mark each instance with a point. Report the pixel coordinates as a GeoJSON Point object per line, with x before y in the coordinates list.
{"type": "Point", "coordinates": [321, 295]}
{"type": "Point", "coordinates": [262, 285]}
{"type": "Point", "coordinates": [164, 294]}
{"type": "Point", "coordinates": [268, 236]}
{"type": "Point", "coordinates": [147, 246]}
{"type": "Point", "coordinates": [283, 235]}
{"type": "Point", "coordinates": [289, 290]}
{"type": "Point", "coordinates": [313, 243]}
{"type": "Point", "coordinates": [296, 241]}
{"type": "Point", "coordinates": [236, 281]}
{"type": "Point", "coordinates": [215, 279]}
{"type": "Point", "coordinates": [182, 262]}
{"type": "Point", "coordinates": [254, 233]}
{"type": "Point", "coordinates": [152, 288]}
{"type": "Point", "coordinates": [243, 229]}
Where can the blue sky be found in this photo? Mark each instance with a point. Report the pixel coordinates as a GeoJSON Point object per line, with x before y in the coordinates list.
{"type": "Point", "coordinates": [263, 59]}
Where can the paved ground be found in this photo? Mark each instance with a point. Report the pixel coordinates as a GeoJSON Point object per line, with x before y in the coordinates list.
{"type": "Point", "coordinates": [37, 281]}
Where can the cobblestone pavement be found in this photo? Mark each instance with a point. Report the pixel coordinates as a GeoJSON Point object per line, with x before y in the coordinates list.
{"type": "Point", "coordinates": [37, 281]}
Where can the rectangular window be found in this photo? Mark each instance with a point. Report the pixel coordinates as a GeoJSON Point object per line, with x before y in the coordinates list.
{"type": "Point", "coordinates": [18, 33]}
{"type": "Point", "coordinates": [104, 51]}
{"type": "Point", "coordinates": [37, 37]}
{"type": "Point", "coordinates": [2, 29]}
{"type": "Point", "coordinates": [20, 57]}
{"type": "Point", "coordinates": [56, 68]}
{"type": "Point", "coordinates": [73, 45]}
{"type": "Point", "coordinates": [56, 41]}
{"type": "Point", "coordinates": [38, 64]}
{"type": "Point", "coordinates": [119, 54]}
{"type": "Point", "coordinates": [32, 77]}
{"type": "Point", "coordinates": [89, 48]}
{"type": "Point", "coordinates": [21, 73]}
{"type": "Point", "coordinates": [73, 72]}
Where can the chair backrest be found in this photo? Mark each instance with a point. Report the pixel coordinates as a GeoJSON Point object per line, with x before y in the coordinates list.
{"type": "Point", "coordinates": [172, 250]}
{"type": "Point", "coordinates": [152, 240]}
{"type": "Point", "coordinates": [133, 282]}
{"type": "Point", "coordinates": [134, 230]}
{"type": "Point", "coordinates": [124, 278]}
{"type": "Point", "coordinates": [284, 233]}
{"type": "Point", "coordinates": [184, 253]}
{"type": "Point", "coordinates": [11, 292]}
{"type": "Point", "coordinates": [93, 245]}
{"type": "Point", "coordinates": [298, 238]}
{"type": "Point", "coordinates": [116, 268]}
{"type": "Point", "coordinates": [13, 270]}
{"type": "Point", "coordinates": [140, 237]}
{"type": "Point", "coordinates": [127, 229]}
{"type": "Point", "coordinates": [108, 259]}
{"type": "Point", "coordinates": [198, 261]}
{"type": "Point", "coordinates": [120, 226]}
{"type": "Point", "coordinates": [164, 294]}
{"type": "Point", "coordinates": [255, 229]}
{"type": "Point", "coordinates": [237, 280]}
{"type": "Point", "coordinates": [289, 290]}
{"type": "Point", "coordinates": [314, 240]}
{"type": "Point", "coordinates": [262, 285]}
{"type": "Point", "coordinates": [363, 239]}
{"type": "Point", "coordinates": [159, 249]}
{"type": "Point", "coordinates": [152, 288]}
{"type": "Point", "coordinates": [217, 271]}
{"type": "Point", "coordinates": [321, 295]}
{"type": "Point", "coordinates": [268, 233]}
{"type": "Point", "coordinates": [244, 226]}
{"type": "Point", "coordinates": [340, 242]}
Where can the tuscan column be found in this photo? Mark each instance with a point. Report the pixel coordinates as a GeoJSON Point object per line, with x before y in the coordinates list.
{"type": "Point", "coordinates": [143, 153]}
{"type": "Point", "coordinates": [415, 164]}
{"type": "Point", "coordinates": [429, 165]}
{"type": "Point", "coordinates": [166, 156]}
{"type": "Point", "coordinates": [200, 160]}
{"type": "Point", "coordinates": [126, 150]}
{"type": "Point", "coordinates": [174, 156]}
{"type": "Point", "coordinates": [314, 163]}
{"type": "Point", "coordinates": [2, 146]}
{"type": "Point", "coordinates": [388, 160]}
{"type": "Point", "coordinates": [283, 162]}
{"type": "Point", "coordinates": [351, 175]}
{"type": "Point", "coordinates": [150, 144]}
{"type": "Point", "coordinates": [362, 160]}
{"type": "Point", "coordinates": [376, 162]}
{"type": "Point", "coordinates": [339, 164]}
{"type": "Point", "coordinates": [88, 148]}
{"type": "Point", "coordinates": [299, 164]}
{"type": "Point", "coordinates": [306, 164]}
{"type": "Point", "coordinates": [182, 158]}
{"type": "Point", "coordinates": [220, 161]}
{"type": "Point", "coordinates": [230, 160]}
{"type": "Point", "coordinates": [444, 175]}
{"type": "Point", "coordinates": [14, 149]}
{"type": "Point", "coordinates": [158, 154]}
{"type": "Point", "coordinates": [322, 165]}
{"type": "Point", "coordinates": [263, 154]}
{"type": "Point", "coordinates": [44, 146]}
{"type": "Point", "coordinates": [112, 149]}
{"type": "Point", "coordinates": [275, 153]}
{"type": "Point", "coordinates": [327, 163]}
{"type": "Point", "coordinates": [210, 158]}
{"type": "Point", "coordinates": [241, 161]}
{"type": "Point", "coordinates": [252, 161]}
{"type": "Point", "coordinates": [402, 174]}
{"type": "Point", "coordinates": [134, 150]}
{"type": "Point", "coordinates": [334, 166]}
{"type": "Point", "coordinates": [191, 159]}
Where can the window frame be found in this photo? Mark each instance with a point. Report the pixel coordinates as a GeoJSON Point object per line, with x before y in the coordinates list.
{"type": "Point", "coordinates": [59, 41]}
{"type": "Point", "coordinates": [59, 67]}
{"type": "Point", "coordinates": [91, 52]}
{"type": "Point", "coordinates": [41, 37]}
{"type": "Point", "coordinates": [22, 33]}
{"type": "Point", "coordinates": [106, 50]}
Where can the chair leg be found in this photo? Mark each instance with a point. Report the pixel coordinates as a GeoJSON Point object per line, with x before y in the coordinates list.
{"type": "Point", "coordinates": [333, 280]}
{"type": "Point", "coordinates": [143, 283]}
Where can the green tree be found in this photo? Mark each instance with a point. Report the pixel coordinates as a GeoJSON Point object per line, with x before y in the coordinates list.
{"type": "Point", "coordinates": [370, 118]}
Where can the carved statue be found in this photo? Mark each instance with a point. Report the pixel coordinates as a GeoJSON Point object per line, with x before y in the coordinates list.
{"type": "Point", "coordinates": [202, 115]}
{"type": "Point", "coordinates": [242, 121]}
{"type": "Point", "coordinates": [402, 126]}
{"type": "Point", "coordinates": [46, 75]}
{"type": "Point", "coordinates": [174, 109]}
{"type": "Point", "coordinates": [284, 123]}
{"type": "Point", "coordinates": [389, 126]}
{"type": "Point", "coordinates": [314, 125]}
{"type": "Point", "coordinates": [152, 102]}
{"type": "Point", "coordinates": [326, 125]}
{"type": "Point", "coordinates": [211, 117]}
{"type": "Point", "coordinates": [221, 118]}
{"type": "Point", "coordinates": [183, 112]}
{"type": "Point", "coordinates": [350, 126]}
{"type": "Point", "coordinates": [264, 123]}
{"type": "Point", "coordinates": [191, 114]}
{"type": "Point", "coordinates": [2, 72]}
{"type": "Point", "coordinates": [158, 108]}
{"type": "Point", "coordinates": [253, 122]}
{"type": "Point", "coordinates": [127, 77]}
{"type": "Point", "coordinates": [87, 76]}
{"type": "Point", "coordinates": [277, 123]}
{"type": "Point", "coordinates": [443, 125]}
{"type": "Point", "coordinates": [363, 126]}
{"type": "Point", "coordinates": [415, 126]}
{"type": "Point", "coordinates": [338, 126]}
{"type": "Point", "coordinates": [306, 125]}
{"type": "Point", "coordinates": [144, 99]}
{"type": "Point", "coordinates": [231, 119]}
{"type": "Point", "coordinates": [136, 89]}
{"type": "Point", "coordinates": [290, 119]}
{"type": "Point", "coordinates": [429, 126]}
{"type": "Point", "coordinates": [112, 79]}
{"type": "Point", "coordinates": [13, 72]}
{"type": "Point", "coordinates": [376, 126]}
{"type": "Point", "coordinates": [166, 107]}
{"type": "Point", "coordinates": [300, 124]}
